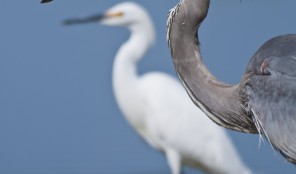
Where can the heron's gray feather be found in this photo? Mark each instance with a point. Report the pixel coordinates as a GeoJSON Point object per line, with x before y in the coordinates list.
{"type": "Point", "coordinates": [272, 95]}
{"type": "Point", "coordinates": [273, 101]}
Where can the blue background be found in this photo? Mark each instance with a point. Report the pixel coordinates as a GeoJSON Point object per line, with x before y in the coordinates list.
{"type": "Point", "coordinates": [57, 109]}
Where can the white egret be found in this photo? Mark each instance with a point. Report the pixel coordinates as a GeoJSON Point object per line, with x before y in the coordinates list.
{"type": "Point", "coordinates": [157, 106]}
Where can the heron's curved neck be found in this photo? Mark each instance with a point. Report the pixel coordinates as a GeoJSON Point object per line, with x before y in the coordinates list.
{"type": "Point", "coordinates": [214, 97]}
{"type": "Point", "coordinates": [219, 100]}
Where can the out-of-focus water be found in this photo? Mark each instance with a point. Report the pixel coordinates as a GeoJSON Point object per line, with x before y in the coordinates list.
{"type": "Point", "coordinates": [58, 114]}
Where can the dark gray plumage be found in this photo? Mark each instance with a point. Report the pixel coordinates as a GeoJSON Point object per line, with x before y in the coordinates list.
{"type": "Point", "coordinates": [272, 92]}
{"type": "Point", "coordinates": [265, 99]}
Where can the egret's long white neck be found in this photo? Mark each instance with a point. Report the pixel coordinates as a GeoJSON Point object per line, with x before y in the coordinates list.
{"type": "Point", "coordinates": [125, 76]}
{"type": "Point", "coordinates": [125, 64]}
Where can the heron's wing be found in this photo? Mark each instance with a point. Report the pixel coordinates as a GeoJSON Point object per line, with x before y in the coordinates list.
{"type": "Point", "coordinates": [272, 102]}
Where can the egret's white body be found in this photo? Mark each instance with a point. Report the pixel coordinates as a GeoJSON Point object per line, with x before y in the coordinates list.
{"type": "Point", "coordinates": [159, 109]}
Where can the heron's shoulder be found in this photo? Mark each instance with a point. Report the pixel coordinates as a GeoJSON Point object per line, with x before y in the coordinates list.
{"type": "Point", "coordinates": [272, 101]}
{"type": "Point", "coordinates": [279, 52]}
{"type": "Point", "coordinates": [278, 46]}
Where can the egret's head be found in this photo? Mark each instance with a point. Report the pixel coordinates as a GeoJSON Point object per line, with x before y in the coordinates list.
{"type": "Point", "coordinates": [124, 14]}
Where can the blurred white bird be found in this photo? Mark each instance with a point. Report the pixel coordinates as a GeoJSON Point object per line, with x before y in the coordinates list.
{"type": "Point", "coordinates": [157, 106]}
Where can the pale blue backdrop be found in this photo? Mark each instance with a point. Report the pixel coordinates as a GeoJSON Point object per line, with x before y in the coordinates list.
{"type": "Point", "coordinates": [58, 114]}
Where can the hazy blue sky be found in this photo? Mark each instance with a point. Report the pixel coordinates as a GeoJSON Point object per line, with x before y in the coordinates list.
{"type": "Point", "coordinates": [58, 114]}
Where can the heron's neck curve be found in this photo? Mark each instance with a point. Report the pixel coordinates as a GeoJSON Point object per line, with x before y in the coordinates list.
{"type": "Point", "coordinates": [214, 97]}
{"type": "Point", "coordinates": [220, 101]}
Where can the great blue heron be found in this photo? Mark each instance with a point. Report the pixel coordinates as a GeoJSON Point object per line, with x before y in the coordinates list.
{"type": "Point", "coordinates": [265, 99]}
{"type": "Point", "coordinates": [156, 105]}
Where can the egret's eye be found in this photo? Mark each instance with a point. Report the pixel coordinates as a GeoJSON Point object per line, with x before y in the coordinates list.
{"type": "Point", "coordinates": [119, 14]}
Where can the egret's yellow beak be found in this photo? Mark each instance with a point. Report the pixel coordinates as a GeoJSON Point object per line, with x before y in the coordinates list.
{"type": "Point", "coordinates": [112, 14]}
